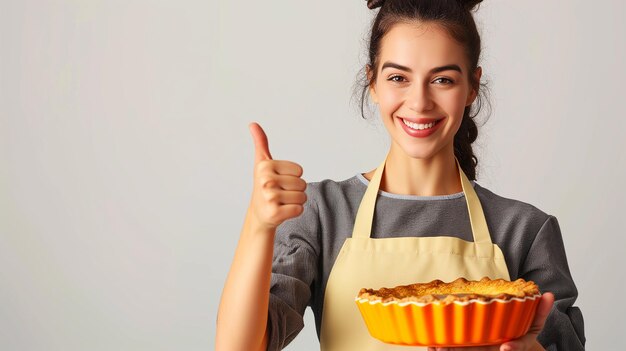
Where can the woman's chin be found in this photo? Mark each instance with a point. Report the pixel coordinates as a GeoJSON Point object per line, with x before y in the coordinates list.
{"type": "Point", "coordinates": [423, 152]}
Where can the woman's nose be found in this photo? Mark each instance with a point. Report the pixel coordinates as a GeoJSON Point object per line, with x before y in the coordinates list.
{"type": "Point", "coordinates": [419, 99]}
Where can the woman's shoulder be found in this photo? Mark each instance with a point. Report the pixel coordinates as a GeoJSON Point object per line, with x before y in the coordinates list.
{"type": "Point", "coordinates": [516, 210]}
{"type": "Point", "coordinates": [329, 190]}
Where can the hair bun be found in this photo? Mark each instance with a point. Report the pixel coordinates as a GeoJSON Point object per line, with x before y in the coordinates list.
{"type": "Point", "coordinates": [469, 4]}
{"type": "Point", "coordinates": [372, 4]}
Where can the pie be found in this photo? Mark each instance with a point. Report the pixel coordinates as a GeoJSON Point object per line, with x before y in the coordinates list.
{"type": "Point", "coordinates": [459, 290]}
{"type": "Point", "coordinates": [455, 314]}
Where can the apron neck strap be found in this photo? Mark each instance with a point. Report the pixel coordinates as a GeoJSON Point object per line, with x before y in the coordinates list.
{"type": "Point", "coordinates": [365, 214]}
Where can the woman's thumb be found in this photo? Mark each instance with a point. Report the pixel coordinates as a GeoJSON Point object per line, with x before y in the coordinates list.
{"type": "Point", "coordinates": [261, 148]}
{"type": "Point", "coordinates": [543, 310]}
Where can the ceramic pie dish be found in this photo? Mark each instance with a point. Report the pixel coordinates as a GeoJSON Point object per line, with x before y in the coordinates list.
{"type": "Point", "coordinates": [458, 313]}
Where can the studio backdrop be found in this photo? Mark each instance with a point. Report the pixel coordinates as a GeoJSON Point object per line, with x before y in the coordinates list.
{"type": "Point", "coordinates": [126, 160]}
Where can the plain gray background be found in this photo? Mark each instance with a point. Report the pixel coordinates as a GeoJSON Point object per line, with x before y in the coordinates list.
{"type": "Point", "coordinates": [126, 159]}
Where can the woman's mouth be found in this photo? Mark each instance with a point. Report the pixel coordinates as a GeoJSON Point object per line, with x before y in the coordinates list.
{"type": "Point", "coordinates": [420, 130]}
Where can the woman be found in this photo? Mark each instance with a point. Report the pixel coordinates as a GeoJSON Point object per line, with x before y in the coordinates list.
{"type": "Point", "coordinates": [296, 247]}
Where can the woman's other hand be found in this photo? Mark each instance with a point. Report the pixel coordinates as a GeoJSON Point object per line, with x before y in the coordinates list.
{"type": "Point", "coordinates": [528, 342]}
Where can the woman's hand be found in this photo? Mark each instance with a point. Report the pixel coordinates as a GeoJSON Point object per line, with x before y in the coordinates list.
{"type": "Point", "coordinates": [278, 191]}
{"type": "Point", "coordinates": [528, 342]}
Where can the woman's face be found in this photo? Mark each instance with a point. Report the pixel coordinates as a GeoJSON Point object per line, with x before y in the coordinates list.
{"type": "Point", "coordinates": [412, 86]}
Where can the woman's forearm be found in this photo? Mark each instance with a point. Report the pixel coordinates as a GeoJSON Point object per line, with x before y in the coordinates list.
{"type": "Point", "coordinates": [243, 309]}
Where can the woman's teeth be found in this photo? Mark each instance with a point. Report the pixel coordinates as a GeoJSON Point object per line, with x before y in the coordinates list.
{"type": "Point", "coordinates": [418, 126]}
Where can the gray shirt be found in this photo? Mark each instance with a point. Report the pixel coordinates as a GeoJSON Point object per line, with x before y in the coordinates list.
{"type": "Point", "coordinates": [306, 247]}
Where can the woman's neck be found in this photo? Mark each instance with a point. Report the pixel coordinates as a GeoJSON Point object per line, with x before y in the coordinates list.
{"type": "Point", "coordinates": [405, 175]}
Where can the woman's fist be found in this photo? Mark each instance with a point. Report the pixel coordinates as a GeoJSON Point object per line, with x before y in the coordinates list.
{"type": "Point", "coordinates": [278, 191]}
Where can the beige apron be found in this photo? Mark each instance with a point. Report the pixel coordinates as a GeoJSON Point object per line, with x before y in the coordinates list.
{"type": "Point", "coordinates": [365, 262]}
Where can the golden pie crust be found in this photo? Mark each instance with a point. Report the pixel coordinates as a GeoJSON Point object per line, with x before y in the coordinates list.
{"type": "Point", "coordinates": [459, 290]}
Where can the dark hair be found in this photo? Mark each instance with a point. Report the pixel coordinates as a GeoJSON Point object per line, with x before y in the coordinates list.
{"type": "Point", "coordinates": [454, 16]}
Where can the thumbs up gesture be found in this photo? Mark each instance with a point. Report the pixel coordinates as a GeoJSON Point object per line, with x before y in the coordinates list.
{"type": "Point", "coordinates": [278, 191]}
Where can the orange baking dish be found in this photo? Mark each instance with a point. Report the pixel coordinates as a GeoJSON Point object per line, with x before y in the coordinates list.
{"type": "Point", "coordinates": [447, 324]}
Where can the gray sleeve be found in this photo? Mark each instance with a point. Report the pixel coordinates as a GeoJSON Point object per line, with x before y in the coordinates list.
{"type": "Point", "coordinates": [546, 265]}
{"type": "Point", "coordinates": [294, 270]}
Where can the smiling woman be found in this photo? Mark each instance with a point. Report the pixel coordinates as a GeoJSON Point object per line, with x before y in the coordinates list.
{"type": "Point", "coordinates": [424, 100]}
{"type": "Point", "coordinates": [417, 217]}
{"type": "Point", "coordinates": [421, 92]}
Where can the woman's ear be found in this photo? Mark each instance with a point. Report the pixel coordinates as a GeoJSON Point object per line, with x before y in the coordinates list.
{"type": "Point", "coordinates": [473, 93]}
{"type": "Point", "coordinates": [372, 89]}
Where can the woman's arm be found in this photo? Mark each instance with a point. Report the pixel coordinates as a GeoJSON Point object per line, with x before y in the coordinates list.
{"type": "Point", "coordinates": [546, 265]}
{"type": "Point", "coordinates": [242, 315]}
{"type": "Point", "coordinates": [278, 194]}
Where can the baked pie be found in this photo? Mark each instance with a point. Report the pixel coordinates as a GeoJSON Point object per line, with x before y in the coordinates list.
{"type": "Point", "coordinates": [457, 313]}
{"type": "Point", "coordinates": [460, 290]}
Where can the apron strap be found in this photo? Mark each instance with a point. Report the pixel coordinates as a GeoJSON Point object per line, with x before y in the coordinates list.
{"type": "Point", "coordinates": [365, 214]}
{"type": "Point", "coordinates": [475, 210]}
{"type": "Point", "coordinates": [480, 231]}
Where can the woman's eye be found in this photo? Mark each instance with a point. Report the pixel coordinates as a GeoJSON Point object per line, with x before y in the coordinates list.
{"type": "Point", "coordinates": [447, 81]}
{"type": "Point", "coordinates": [393, 77]}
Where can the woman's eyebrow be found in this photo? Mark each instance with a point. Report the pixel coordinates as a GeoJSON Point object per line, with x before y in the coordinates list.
{"type": "Point", "coordinates": [434, 70]}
